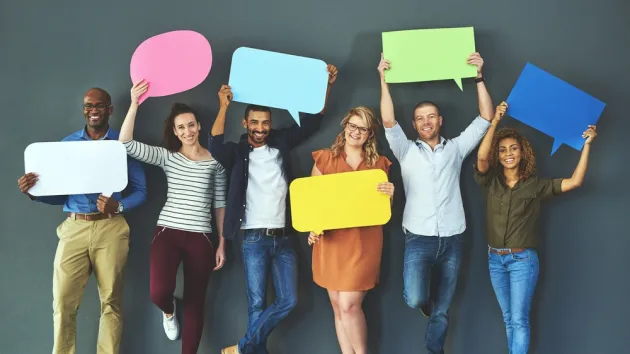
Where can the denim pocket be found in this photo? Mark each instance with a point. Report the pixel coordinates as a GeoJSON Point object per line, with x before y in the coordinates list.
{"type": "Point", "coordinates": [251, 238]}
{"type": "Point", "coordinates": [522, 256]}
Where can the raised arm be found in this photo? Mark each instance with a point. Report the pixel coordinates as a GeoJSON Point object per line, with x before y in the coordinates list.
{"type": "Point", "coordinates": [126, 131]}
{"type": "Point", "coordinates": [332, 77]}
{"type": "Point", "coordinates": [485, 102]}
{"type": "Point", "coordinates": [224, 153]}
{"type": "Point", "coordinates": [580, 170]}
{"type": "Point", "coordinates": [387, 105]}
{"type": "Point", "coordinates": [483, 154]}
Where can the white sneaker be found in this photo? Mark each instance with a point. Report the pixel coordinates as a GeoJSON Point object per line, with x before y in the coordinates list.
{"type": "Point", "coordinates": [171, 326]}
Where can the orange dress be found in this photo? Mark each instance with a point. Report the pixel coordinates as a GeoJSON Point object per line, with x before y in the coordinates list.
{"type": "Point", "coordinates": [347, 259]}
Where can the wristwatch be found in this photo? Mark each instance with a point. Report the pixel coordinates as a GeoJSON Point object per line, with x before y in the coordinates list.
{"type": "Point", "coordinates": [120, 208]}
{"type": "Point", "coordinates": [479, 79]}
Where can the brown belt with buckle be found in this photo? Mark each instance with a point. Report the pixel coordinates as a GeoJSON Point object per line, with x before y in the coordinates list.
{"type": "Point", "coordinates": [89, 217]}
{"type": "Point", "coordinates": [274, 232]}
{"type": "Point", "coordinates": [507, 251]}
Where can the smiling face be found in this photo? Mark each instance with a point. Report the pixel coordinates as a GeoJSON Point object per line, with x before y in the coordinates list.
{"type": "Point", "coordinates": [258, 125]}
{"type": "Point", "coordinates": [427, 122]}
{"type": "Point", "coordinates": [356, 131]}
{"type": "Point", "coordinates": [509, 153]}
{"type": "Point", "coordinates": [97, 107]}
{"type": "Point", "coordinates": [186, 128]}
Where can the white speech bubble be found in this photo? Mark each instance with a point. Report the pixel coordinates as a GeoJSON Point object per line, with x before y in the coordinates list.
{"type": "Point", "coordinates": [77, 167]}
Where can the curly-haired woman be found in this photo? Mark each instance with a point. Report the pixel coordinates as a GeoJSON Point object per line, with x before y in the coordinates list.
{"type": "Point", "coordinates": [347, 262]}
{"type": "Point", "coordinates": [505, 170]}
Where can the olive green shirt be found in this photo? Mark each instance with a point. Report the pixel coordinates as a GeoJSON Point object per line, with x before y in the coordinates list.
{"type": "Point", "coordinates": [512, 214]}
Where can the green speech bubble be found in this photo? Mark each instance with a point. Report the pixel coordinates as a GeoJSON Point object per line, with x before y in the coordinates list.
{"type": "Point", "coordinates": [429, 54]}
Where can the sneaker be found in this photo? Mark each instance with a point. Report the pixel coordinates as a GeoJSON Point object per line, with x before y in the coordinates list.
{"type": "Point", "coordinates": [171, 326]}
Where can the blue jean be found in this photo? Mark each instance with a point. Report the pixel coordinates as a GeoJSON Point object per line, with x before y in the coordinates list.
{"type": "Point", "coordinates": [514, 277]}
{"type": "Point", "coordinates": [262, 254]}
{"type": "Point", "coordinates": [421, 254]}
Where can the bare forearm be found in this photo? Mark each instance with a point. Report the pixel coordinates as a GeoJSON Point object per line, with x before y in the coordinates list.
{"type": "Point", "coordinates": [387, 106]}
{"type": "Point", "coordinates": [483, 154]}
{"type": "Point", "coordinates": [577, 178]}
{"type": "Point", "coordinates": [486, 108]}
{"type": "Point", "coordinates": [219, 215]}
{"type": "Point", "coordinates": [218, 128]}
{"type": "Point", "coordinates": [126, 130]}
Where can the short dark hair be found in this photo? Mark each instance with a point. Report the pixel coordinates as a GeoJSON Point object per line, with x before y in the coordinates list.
{"type": "Point", "coordinates": [171, 141]}
{"type": "Point", "coordinates": [102, 91]}
{"type": "Point", "coordinates": [425, 104]}
{"type": "Point", "coordinates": [256, 108]}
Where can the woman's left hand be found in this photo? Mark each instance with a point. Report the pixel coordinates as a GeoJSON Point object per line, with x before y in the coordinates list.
{"type": "Point", "coordinates": [220, 257]}
{"type": "Point", "coordinates": [386, 188]}
{"type": "Point", "coordinates": [590, 134]}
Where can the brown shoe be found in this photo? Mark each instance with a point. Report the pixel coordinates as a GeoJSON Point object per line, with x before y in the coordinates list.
{"type": "Point", "coordinates": [230, 350]}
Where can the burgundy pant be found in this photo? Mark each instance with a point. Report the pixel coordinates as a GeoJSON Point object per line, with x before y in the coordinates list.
{"type": "Point", "coordinates": [168, 248]}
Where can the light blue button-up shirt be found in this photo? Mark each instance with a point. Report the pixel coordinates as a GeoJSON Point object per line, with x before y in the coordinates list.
{"type": "Point", "coordinates": [431, 179]}
{"type": "Point", "coordinates": [86, 203]}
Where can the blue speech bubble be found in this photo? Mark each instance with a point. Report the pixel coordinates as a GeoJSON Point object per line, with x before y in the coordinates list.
{"type": "Point", "coordinates": [553, 106]}
{"type": "Point", "coordinates": [278, 80]}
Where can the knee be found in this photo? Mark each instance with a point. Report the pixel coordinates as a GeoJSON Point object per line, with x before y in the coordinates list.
{"type": "Point", "coordinates": [520, 320]}
{"type": "Point", "coordinates": [350, 309]}
{"type": "Point", "coordinates": [336, 309]}
{"type": "Point", "coordinates": [160, 296]}
{"type": "Point", "coordinates": [414, 301]}
{"type": "Point", "coordinates": [287, 304]}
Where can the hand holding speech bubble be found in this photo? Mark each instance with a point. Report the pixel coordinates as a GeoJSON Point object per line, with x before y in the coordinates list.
{"type": "Point", "coordinates": [339, 200]}
{"type": "Point", "coordinates": [284, 81]}
{"type": "Point", "coordinates": [553, 107]}
{"type": "Point", "coordinates": [171, 63]}
{"type": "Point", "coordinates": [429, 54]}
{"type": "Point", "coordinates": [97, 167]}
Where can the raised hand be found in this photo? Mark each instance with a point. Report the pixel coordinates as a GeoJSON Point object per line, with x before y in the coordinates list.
{"type": "Point", "coordinates": [225, 96]}
{"type": "Point", "coordinates": [590, 134]}
{"type": "Point", "coordinates": [137, 90]}
{"type": "Point", "coordinates": [500, 111]}
{"type": "Point", "coordinates": [383, 65]}
{"type": "Point", "coordinates": [476, 60]}
{"type": "Point", "coordinates": [332, 73]}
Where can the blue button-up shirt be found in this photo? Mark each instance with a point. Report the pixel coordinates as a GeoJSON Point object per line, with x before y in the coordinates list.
{"type": "Point", "coordinates": [431, 178]}
{"type": "Point", "coordinates": [136, 191]}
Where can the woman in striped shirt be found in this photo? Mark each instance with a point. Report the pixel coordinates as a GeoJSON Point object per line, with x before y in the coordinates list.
{"type": "Point", "coordinates": [195, 182]}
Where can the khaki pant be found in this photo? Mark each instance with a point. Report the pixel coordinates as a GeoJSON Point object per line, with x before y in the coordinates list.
{"type": "Point", "coordinates": [85, 246]}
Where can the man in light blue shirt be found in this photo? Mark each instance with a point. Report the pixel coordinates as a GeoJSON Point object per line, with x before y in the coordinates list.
{"type": "Point", "coordinates": [433, 219]}
{"type": "Point", "coordinates": [93, 237]}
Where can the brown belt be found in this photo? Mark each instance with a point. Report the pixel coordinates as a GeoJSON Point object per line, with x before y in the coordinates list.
{"type": "Point", "coordinates": [90, 217]}
{"type": "Point", "coordinates": [507, 250]}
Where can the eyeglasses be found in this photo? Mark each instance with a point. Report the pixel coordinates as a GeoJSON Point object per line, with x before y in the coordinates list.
{"type": "Point", "coordinates": [100, 106]}
{"type": "Point", "coordinates": [354, 127]}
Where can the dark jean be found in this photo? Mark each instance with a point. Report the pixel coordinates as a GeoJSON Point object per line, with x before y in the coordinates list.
{"type": "Point", "coordinates": [421, 254]}
{"type": "Point", "coordinates": [263, 254]}
{"type": "Point", "coordinates": [514, 277]}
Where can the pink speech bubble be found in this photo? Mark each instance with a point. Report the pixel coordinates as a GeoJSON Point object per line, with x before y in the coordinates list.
{"type": "Point", "coordinates": [171, 62]}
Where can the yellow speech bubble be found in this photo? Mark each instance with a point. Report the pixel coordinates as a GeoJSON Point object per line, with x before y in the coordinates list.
{"type": "Point", "coordinates": [339, 200]}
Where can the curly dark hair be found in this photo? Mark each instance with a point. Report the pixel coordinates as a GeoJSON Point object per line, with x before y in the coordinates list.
{"type": "Point", "coordinates": [171, 141]}
{"type": "Point", "coordinates": [527, 166]}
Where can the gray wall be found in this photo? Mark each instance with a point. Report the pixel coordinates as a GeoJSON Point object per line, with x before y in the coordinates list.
{"type": "Point", "coordinates": [52, 51]}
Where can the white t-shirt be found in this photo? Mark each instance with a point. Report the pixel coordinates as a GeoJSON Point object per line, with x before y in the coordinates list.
{"type": "Point", "coordinates": [266, 190]}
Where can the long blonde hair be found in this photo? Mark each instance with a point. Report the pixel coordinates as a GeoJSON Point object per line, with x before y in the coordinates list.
{"type": "Point", "coordinates": [369, 147]}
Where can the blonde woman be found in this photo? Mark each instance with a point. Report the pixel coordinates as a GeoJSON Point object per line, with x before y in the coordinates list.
{"type": "Point", "coordinates": [347, 262]}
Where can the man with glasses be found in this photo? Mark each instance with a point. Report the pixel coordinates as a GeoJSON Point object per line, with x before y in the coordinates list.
{"type": "Point", "coordinates": [433, 219]}
{"type": "Point", "coordinates": [94, 237]}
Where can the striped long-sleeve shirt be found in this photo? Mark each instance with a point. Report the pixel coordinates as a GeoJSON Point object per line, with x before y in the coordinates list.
{"type": "Point", "coordinates": [193, 187]}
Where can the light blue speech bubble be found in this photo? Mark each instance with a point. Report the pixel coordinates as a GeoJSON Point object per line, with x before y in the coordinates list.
{"type": "Point", "coordinates": [553, 107]}
{"type": "Point", "coordinates": [278, 80]}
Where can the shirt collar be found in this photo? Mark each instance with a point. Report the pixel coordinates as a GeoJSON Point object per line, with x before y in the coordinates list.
{"type": "Point", "coordinates": [85, 136]}
{"type": "Point", "coordinates": [420, 142]}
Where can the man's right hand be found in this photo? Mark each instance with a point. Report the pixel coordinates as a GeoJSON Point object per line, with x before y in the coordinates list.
{"type": "Point", "coordinates": [382, 66]}
{"type": "Point", "coordinates": [27, 182]}
{"type": "Point", "coordinates": [225, 96]}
